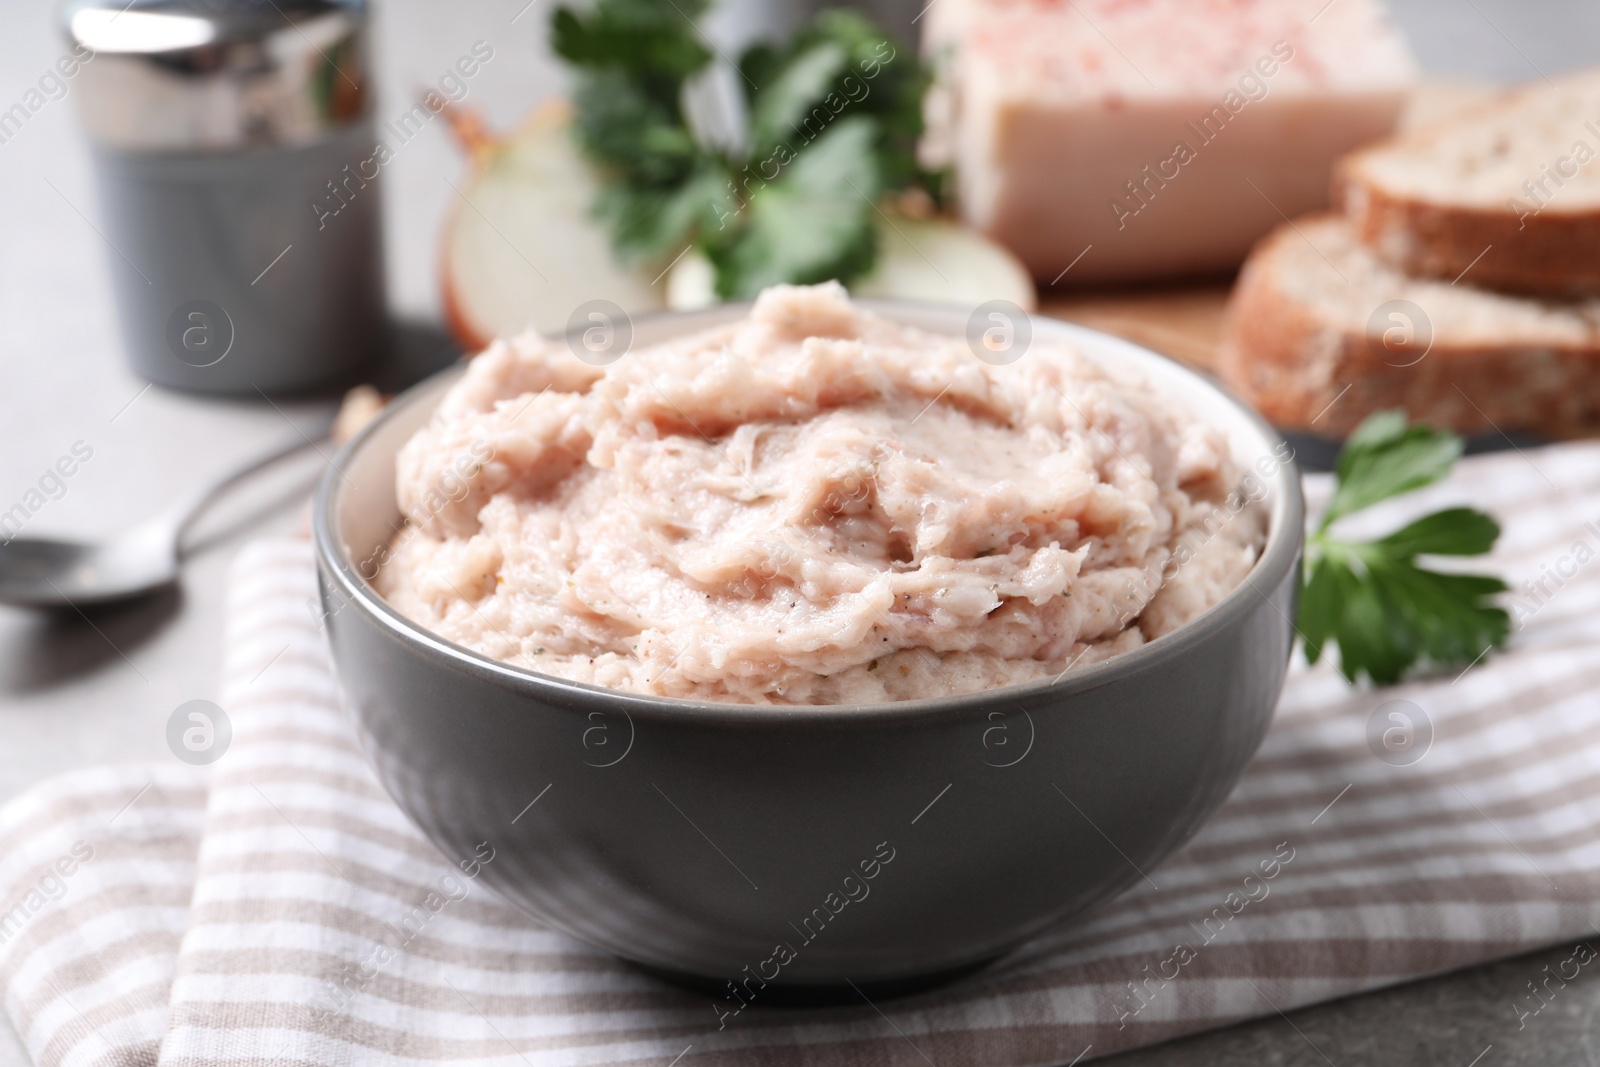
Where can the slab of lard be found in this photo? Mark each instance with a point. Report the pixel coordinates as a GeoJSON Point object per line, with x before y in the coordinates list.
{"type": "Point", "coordinates": [1162, 136]}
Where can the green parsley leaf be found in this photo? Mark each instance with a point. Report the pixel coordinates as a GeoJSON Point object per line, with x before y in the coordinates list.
{"type": "Point", "coordinates": [1385, 611]}
{"type": "Point", "coordinates": [892, 86]}
{"type": "Point", "coordinates": [1321, 606]}
{"type": "Point", "coordinates": [1445, 617]}
{"type": "Point", "coordinates": [790, 88]}
{"type": "Point", "coordinates": [651, 222]}
{"type": "Point", "coordinates": [631, 60]}
{"type": "Point", "coordinates": [1451, 532]}
{"type": "Point", "coordinates": [842, 64]}
{"type": "Point", "coordinates": [835, 117]}
{"type": "Point", "coordinates": [655, 41]}
{"type": "Point", "coordinates": [1384, 457]}
{"type": "Point", "coordinates": [814, 225]}
{"type": "Point", "coordinates": [635, 138]}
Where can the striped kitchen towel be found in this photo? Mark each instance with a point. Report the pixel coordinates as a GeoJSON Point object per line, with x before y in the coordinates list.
{"type": "Point", "coordinates": [276, 908]}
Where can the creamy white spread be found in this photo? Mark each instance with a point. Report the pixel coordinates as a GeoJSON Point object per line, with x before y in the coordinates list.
{"type": "Point", "coordinates": [813, 505]}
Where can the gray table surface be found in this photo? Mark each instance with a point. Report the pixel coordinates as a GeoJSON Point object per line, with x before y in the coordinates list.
{"type": "Point", "coordinates": [74, 693]}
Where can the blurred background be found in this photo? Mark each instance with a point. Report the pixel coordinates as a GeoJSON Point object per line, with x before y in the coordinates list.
{"type": "Point", "coordinates": [77, 690]}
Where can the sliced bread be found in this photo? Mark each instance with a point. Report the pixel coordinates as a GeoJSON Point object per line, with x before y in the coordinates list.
{"type": "Point", "coordinates": [1321, 333]}
{"type": "Point", "coordinates": [1506, 193]}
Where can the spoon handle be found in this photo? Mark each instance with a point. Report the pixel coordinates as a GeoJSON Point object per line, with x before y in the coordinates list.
{"type": "Point", "coordinates": [177, 517]}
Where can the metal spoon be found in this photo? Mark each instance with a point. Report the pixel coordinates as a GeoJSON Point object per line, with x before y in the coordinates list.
{"type": "Point", "coordinates": [39, 572]}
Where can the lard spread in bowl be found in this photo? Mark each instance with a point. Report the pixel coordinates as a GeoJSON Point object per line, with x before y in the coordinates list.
{"type": "Point", "coordinates": [812, 505]}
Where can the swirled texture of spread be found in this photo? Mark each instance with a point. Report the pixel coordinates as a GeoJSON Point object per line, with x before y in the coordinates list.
{"type": "Point", "coordinates": [812, 505]}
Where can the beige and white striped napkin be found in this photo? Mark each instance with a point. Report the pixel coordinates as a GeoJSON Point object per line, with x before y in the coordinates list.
{"type": "Point", "coordinates": [280, 910]}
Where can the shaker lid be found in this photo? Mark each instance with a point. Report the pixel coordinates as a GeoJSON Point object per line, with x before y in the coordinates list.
{"type": "Point", "coordinates": [218, 75]}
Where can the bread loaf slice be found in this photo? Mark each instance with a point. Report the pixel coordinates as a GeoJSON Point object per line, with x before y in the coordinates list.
{"type": "Point", "coordinates": [1507, 192]}
{"type": "Point", "coordinates": [1321, 333]}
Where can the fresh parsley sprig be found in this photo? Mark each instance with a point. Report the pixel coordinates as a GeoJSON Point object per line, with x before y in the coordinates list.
{"type": "Point", "coordinates": [834, 119]}
{"type": "Point", "coordinates": [1385, 611]}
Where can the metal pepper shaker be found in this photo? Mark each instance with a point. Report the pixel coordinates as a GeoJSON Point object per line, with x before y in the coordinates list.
{"type": "Point", "coordinates": [233, 149]}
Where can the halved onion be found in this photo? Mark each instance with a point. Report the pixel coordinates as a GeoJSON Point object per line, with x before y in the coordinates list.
{"type": "Point", "coordinates": [524, 251]}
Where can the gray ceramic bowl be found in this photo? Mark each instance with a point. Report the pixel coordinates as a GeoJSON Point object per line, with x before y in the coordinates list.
{"type": "Point", "coordinates": [881, 844]}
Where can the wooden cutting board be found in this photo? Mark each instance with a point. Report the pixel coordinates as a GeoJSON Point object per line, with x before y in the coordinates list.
{"type": "Point", "coordinates": [1183, 322]}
